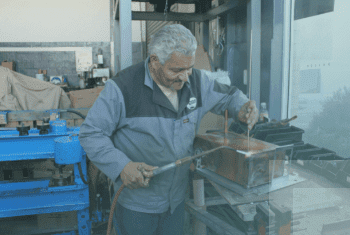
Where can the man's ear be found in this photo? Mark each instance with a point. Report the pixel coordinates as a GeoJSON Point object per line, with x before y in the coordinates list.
{"type": "Point", "coordinates": [153, 58]}
{"type": "Point", "coordinates": [154, 61]}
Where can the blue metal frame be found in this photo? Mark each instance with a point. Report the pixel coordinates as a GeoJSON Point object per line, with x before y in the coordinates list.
{"type": "Point", "coordinates": [29, 197]}
{"type": "Point", "coordinates": [33, 146]}
{"type": "Point", "coordinates": [19, 199]}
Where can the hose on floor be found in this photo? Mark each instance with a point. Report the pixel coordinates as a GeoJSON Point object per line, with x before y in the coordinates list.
{"type": "Point", "coordinates": [114, 203]}
{"type": "Point", "coordinates": [113, 207]}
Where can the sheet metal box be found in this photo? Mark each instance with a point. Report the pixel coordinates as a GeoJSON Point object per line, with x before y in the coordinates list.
{"type": "Point", "coordinates": [247, 168]}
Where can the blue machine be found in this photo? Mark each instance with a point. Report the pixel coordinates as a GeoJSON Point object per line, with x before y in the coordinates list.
{"type": "Point", "coordinates": [51, 140]}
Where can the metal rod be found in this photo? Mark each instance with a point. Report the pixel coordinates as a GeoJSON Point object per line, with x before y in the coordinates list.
{"type": "Point", "coordinates": [217, 30]}
{"type": "Point", "coordinates": [185, 160]}
{"type": "Point", "coordinates": [199, 200]}
{"type": "Point", "coordinates": [224, 182]}
{"type": "Point", "coordinates": [253, 202]}
{"type": "Point", "coordinates": [250, 73]}
{"type": "Point", "coordinates": [290, 161]}
{"type": "Point", "coordinates": [164, 168]}
{"type": "Point", "coordinates": [284, 122]}
{"type": "Point", "coordinates": [226, 129]}
{"type": "Point", "coordinates": [273, 167]}
{"type": "Point", "coordinates": [226, 118]}
{"type": "Point", "coordinates": [214, 223]}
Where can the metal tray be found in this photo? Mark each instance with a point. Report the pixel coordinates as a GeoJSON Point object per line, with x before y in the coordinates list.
{"type": "Point", "coordinates": [291, 133]}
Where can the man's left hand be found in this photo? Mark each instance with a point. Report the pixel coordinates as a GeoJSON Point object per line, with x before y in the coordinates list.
{"type": "Point", "coordinates": [249, 114]}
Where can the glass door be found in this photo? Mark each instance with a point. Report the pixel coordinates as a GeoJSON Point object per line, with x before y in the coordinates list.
{"type": "Point", "coordinates": [319, 81]}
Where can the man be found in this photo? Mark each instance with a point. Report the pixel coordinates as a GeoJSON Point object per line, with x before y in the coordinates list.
{"type": "Point", "coordinates": [148, 115]}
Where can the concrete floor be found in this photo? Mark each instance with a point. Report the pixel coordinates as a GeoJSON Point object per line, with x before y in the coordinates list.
{"type": "Point", "coordinates": [102, 230]}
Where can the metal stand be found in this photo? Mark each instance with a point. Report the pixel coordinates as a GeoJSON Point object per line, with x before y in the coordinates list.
{"type": "Point", "coordinates": [198, 195]}
{"type": "Point", "coordinates": [242, 201]}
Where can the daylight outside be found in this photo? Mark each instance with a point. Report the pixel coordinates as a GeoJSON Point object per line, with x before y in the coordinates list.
{"type": "Point", "coordinates": [320, 78]}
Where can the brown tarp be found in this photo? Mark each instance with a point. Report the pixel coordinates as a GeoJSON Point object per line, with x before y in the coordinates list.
{"type": "Point", "coordinates": [21, 92]}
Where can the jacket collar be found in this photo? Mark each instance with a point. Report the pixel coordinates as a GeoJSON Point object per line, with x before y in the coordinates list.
{"type": "Point", "coordinates": [148, 78]}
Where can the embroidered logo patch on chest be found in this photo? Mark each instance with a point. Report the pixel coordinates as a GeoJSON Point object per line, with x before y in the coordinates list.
{"type": "Point", "coordinates": [192, 104]}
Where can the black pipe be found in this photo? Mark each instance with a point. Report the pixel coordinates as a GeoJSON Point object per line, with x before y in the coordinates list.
{"type": "Point", "coordinates": [73, 111]}
{"type": "Point", "coordinates": [81, 173]}
{"type": "Point", "coordinates": [79, 164]}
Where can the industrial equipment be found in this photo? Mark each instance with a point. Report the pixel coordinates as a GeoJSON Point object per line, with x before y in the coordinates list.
{"type": "Point", "coordinates": [24, 192]}
{"type": "Point", "coordinates": [97, 75]}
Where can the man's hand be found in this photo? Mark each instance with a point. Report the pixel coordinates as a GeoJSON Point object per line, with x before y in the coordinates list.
{"type": "Point", "coordinates": [133, 174]}
{"type": "Point", "coordinates": [249, 114]}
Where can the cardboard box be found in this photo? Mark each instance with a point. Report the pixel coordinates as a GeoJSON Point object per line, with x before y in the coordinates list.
{"type": "Point", "coordinates": [10, 65]}
{"type": "Point", "coordinates": [84, 98]}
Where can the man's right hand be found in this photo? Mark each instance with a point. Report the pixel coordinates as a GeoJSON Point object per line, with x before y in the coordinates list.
{"type": "Point", "coordinates": [133, 177]}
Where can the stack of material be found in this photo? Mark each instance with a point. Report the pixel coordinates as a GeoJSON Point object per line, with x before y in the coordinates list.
{"type": "Point", "coordinates": [21, 92]}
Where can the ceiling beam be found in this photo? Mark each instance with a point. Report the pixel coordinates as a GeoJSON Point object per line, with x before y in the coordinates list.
{"type": "Point", "coordinates": [224, 8]}
{"type": "Point", "coordinates": [193, 17]}
{"type": "Point", "coordinates": [171, 16]}
{"type": "Point", "coordinates": [177, 1]}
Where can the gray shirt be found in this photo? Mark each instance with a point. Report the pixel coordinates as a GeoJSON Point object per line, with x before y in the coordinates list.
{"type": "Point", "coordinates": [132, 120]}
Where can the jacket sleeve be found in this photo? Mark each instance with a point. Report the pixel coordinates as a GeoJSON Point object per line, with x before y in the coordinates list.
{"type": "Point", "coordinates": [96, 131]}
{"type": "Point", "coordinates": [217, 97]}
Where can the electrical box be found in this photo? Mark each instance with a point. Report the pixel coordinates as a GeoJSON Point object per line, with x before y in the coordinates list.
{"type": "Point", "coordinates": [98, 73]}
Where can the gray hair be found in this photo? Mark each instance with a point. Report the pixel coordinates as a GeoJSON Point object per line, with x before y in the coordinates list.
{"type": "Point", "coordinates": [172, 38]}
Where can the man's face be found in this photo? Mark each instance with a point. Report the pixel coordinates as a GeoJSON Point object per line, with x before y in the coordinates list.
{"type": "Point", "coordinates": [174, 73]}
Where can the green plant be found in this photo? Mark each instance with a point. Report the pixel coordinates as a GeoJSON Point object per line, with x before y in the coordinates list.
{"type": "Point", "coordinates": [330, 128]}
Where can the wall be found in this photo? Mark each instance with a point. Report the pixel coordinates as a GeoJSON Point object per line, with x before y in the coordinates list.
{"type": "Point", "coordinates": [54, 21]}
{"type": "Point", "coordinates": [42, 25]}
{"type": "Point", "coordinates": [55, 62]}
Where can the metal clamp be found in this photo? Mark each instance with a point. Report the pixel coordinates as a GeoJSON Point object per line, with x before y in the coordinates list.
{"type": "Point", "coordinates": [199, 163]}
{"type": "Point", "coordinates": [3, 118]}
